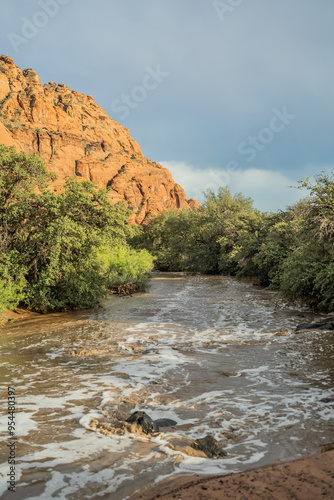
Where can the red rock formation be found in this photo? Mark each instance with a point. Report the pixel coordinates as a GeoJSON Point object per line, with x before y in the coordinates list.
{"type": "Point", "coordinates": [76, 137]}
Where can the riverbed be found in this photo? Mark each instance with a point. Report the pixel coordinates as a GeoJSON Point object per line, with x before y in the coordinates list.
{"type": "Point", "coordinates": [216, 355]}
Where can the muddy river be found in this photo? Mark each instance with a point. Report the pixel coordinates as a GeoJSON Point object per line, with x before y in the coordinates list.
{"type": "Point", "coordinates": [216, 355]}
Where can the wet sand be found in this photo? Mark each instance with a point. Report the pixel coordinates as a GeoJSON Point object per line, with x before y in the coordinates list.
{"type": "Point", "coordinates": [7, 316]}
{"type": "Point", "coordinates": [310, 478]}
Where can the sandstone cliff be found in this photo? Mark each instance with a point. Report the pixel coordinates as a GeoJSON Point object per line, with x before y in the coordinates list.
{"type": "Point", "coordinates": [76, 137]}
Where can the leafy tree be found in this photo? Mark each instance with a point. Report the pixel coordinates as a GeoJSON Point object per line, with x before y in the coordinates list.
{"type": "Point", "coordinates": [50, 244]}
{"type": "Point", "coordinates": [20, 177]}
{"type": "Point", "coordinates": [205, 240]}
{"type": "Point", "coordinates": [173, 237]}
{"type": "Point", "coordinates": [227, 219]}
{"type": "Point", "coordinates": [307, 272]}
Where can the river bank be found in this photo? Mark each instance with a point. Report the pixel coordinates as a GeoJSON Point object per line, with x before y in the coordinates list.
{"type": "Point", "coordinates": [304, 479]}
{"type": "Point", "coordinates": [7, 316]}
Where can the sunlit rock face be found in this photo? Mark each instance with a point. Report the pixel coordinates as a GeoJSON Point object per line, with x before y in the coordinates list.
{"type": "Point", "coordinates": [76, 137]}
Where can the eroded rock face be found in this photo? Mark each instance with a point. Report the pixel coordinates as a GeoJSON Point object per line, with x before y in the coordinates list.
{"type": "Point", "coordinates": [77, 137]}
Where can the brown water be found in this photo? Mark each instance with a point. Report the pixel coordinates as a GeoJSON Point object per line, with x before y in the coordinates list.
{"type": "Point", "coordinates": [216, 355]}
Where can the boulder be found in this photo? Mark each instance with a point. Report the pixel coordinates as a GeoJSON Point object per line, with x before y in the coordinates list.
{"type": "Point", "coordinates": [142, 420]}
{"type": "Point", "coordinates": [210, 447]}
{"type": "Point", "coordinates": [165, 422]}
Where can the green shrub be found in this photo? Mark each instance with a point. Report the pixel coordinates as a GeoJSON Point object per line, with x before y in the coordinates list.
{"type": "Point", "coordinates": [125, 266]}
{"type": "Point", "coordinates": [11, 292]}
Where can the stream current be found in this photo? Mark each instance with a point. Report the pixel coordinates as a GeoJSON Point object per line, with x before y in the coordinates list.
{"type": "Point", "coordinates": [216, 355]}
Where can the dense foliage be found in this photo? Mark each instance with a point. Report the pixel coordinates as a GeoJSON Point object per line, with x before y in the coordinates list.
{"type": "Point", "coordinates": [292, 251]}
{"type": "Point", "coordinates": [63, 251]}
{"type": "Point", "coordinates": [51, 245]}
{"type": "Point", "coordinates": [124, 265]}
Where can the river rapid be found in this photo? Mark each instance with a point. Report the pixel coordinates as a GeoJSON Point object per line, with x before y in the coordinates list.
{"type": "Point", "coordinates": [216, 355]}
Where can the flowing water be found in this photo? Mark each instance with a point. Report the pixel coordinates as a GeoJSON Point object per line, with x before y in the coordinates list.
{"type": "Point", "coordinates": [216, 355]}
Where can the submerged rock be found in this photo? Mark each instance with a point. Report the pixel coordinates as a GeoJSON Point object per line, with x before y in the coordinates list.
{"type": "Point", "coordinates": [183, 445]}
{"type": "Point", "coordinates": [165, 422]}
{"type": "Point", "coordinates": [114, 427]}
{"type": "Point", "coordinates": [229, 374]}
{"type": "Point", "coordinates": [142, 420]}
{"type": "Point", "coordinates": [81, 353]}
{"type": "Point", "coordinates": [209, 446]}
{"type": "Point", "coordinates": [315, 326]}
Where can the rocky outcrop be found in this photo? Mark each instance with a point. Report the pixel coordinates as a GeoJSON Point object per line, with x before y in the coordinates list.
{"type": "Point", "coordinates": [76, 137]}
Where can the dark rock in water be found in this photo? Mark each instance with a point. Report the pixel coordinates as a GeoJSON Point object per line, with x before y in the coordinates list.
{"type": "Point", "coordinates": [143, 421]}
{"type": "Point", "coordinates": [306, 326]}
{"type": "Point", "coordinates": [312, 326]}
{"type": "Point", "coordinates": [165, 422]}
{"type": "Point", "coordinates": [327, 400]}
{"type": "Point", "coordinates": [229, 374]}
{"type": "Point", "coordinates": [210, 447]}
{"type": "Point", "coordinates": [327, 326]}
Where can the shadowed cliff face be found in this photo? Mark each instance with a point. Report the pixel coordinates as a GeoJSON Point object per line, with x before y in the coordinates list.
{"type": "Point", "coordinates": [77, 137]}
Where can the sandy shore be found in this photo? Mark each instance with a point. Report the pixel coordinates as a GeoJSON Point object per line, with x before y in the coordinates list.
{"type": "Point", "coordinates": [310, 478]}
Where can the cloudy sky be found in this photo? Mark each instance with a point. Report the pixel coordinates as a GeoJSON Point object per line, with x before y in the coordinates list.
{"type": "Point", "coordinates": [237, 92]}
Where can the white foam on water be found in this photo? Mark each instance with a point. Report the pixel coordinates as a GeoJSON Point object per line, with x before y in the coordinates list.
{"type": "Point", "coordinates": [78, 451]}
{"type": "Point", "coordinates": [85, 421]}
{"type": "Point", "coordinates": [63, 485]}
